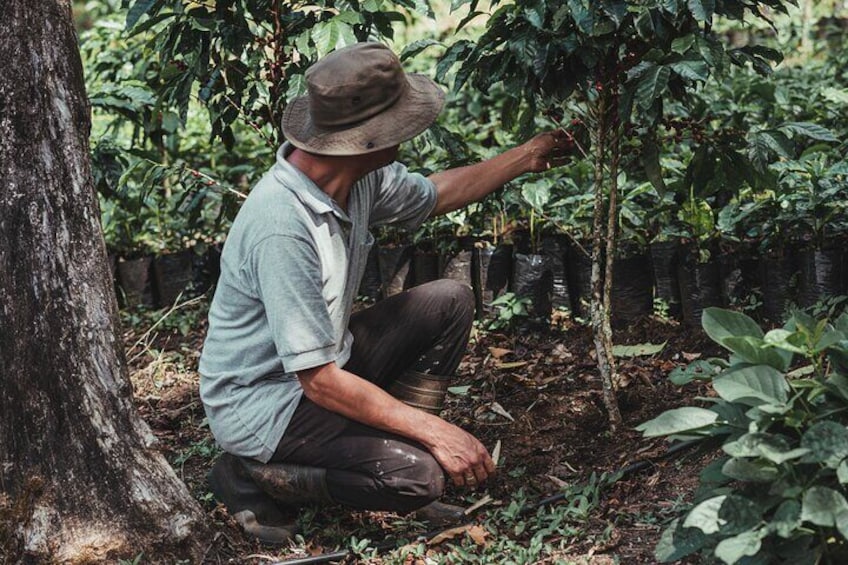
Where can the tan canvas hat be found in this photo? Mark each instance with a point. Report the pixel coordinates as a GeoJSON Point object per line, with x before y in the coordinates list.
{"type": "Point", "coordinates": [359, 101]}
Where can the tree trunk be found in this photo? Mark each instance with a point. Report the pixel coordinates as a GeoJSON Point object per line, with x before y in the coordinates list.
{"type": "Point", "coordinates": [599, 307]}
{"type": "Point", "coordinates": [80, 478]}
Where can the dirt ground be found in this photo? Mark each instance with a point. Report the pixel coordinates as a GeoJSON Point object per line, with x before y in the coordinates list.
{"type": "Point", "coordinates": [536, 391]}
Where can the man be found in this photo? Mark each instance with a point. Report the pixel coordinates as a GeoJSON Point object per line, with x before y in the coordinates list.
{"type": "Point", "coordinates": [302, 395]}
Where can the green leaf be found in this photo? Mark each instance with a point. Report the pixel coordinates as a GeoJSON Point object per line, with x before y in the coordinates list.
{"type": "Point", "coordinates": [417, 47]}
{"type": "Point", "coordinates": [842, 472]}
{"type": "Point", "coordinates": [640, 350]}
{"type": "Point", "coordinates": [760, 444]}
{"type": "Point", "coordinates": [692, 70]}
{"type": "Point", "coordinates": [652, 84]}
{"type": "Point", "coordinates": [459, 390]}
{"type": "Point", "coordinates": [807, 129]}
{"type": "Point", "coordinates": [697, 370]}
{"type": "Point", "coordinates": [746, 544]}
{"type": "Point", "coordinates": [615, 9]}
{"type": "Point", "coordinates": [677, 542]}
{"type": "Point", "coordinates": [784, 339]}
{"type": "Point", "coordinates": [136, 11]}
{"type": "Point", "coordinates": [704, 516]}
{"type": "Point", "coordinates": [537, 194]}
{"type": "Point", "coordinates": [751, 471]}
{"type": "Point", "coordinates": [677, 421]}
{"type": "Point", "coordinates": [753, 385]}
{"type": "Point", "coordinates": [535, 13]}
{"type": "Point", "coordinates": [702, 10]}
{"type": "Point", "coordinates": [754, 350]}
{"type": "Point", "coordinates": [681, 45]}
{"type": "Point", "coordinates": [581, 12]}
{"type": "Point", "coordinates": [823, 506]}
{"type": "Point", "coordinates": [651, 163]}
{"type": "Point", "coordinates": [827, 442]}
{"type": "Point", "coordinates": [719, 324]}
{"type": "Point", "coordinates": [787, 519]}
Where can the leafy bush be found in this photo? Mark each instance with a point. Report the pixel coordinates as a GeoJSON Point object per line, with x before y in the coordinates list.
{"type": "Point", "coordinates": [777, 494]}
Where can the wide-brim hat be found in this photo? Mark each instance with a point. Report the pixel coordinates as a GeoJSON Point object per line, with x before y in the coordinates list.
{"type": "Point", "coordinates": [359, 100]}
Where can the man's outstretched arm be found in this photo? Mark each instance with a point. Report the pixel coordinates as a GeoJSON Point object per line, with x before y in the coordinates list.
{"type": "Point", "coordinates": [458, 187]}
{"type": "Point", "coordinates": [458, 452]}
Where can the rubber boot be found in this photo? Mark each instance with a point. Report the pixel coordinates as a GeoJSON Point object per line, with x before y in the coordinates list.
{"type": "Point", "coordinates": [290, 485]}
{"type": "Point", "coordinates": [421, 390]}
{"type": "Point", "coordinates": [440, 514]}
{"type": "Point", "coordinates": [249, 505]}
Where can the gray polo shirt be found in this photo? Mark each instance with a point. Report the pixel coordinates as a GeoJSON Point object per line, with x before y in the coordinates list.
{"type": "Point", "coordinates": [290, 270]}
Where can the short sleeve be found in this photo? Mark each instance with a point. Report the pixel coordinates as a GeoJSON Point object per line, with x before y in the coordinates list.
{"type": "Point", "coordinates": [286, 272]}
{"type": "Point", "coordinates": [402, 198]}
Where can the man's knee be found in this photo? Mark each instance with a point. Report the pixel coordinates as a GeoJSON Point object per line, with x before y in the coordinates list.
{"type": "Point", "coordinates": [415, 486]}
{"type": "Point", "coordinates": [457, 296]}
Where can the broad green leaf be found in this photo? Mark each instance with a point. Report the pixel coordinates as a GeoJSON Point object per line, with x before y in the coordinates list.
{"type": "Point", "coordinates": [615, 9]}
{"type": "Point", "coordinates": [823, 506]}
{"type": "Point", "coordinates": [827, 442]}
{"type": "Point", "coordinates": [828, 339]}
{"type": "Point", "coordinates": [787, 519]}
{"type": "Point", "coordinates": [537, 194]}
{"type": "Point", "coordinates": [753, 385]}
{"type": "Point", "coordinates": [652, 84]}
{"type": "Point", "coordinates": [751, 471]}
{"type": "Point", "coordinates": [696, 70]}
{"type": "Point", "coordinates": [651, 164]}
{"type": "Point", "coordinates": [811, 130]}
{"type": "Point", "coordinates": [842, 472]}
{"type": "Point", "coordinates": [677, 421]}
{"type": "Point", "coordinates": [719, 324]}
{"type": "Point", "coordinates": [677, 542]}
{"type": "Point", "coordinates": [753, 350]}
{"type": "Point", "coordinates": [836, 95]}
{"type": "Point", "coordinates": [534, 12]}
{"type": "Point", "coordinates": [581, 12]}
{"type": "Point", "coordinates": [731, 550]}
{"type": "Point", "coordinates": [682, 44]}
{"type": "Point", "coordinates": [785, 339]}
{"type": "Point", "coordinates": [417, 47]}
{"type": "Point", "coordinates": [639, 350]}
{"type": "Point", "coordinates": [702, 10]}
{"type": "Point", "coordinates": [697, 370]}
{"type": "Point", "coordinates": [137, 10]}
{"type": "Point", "coordinates": [760, 444]}
{"type": "Point", "coordinates": [739, 514]}
{"type": "Point", "coordinates": [704, 516]}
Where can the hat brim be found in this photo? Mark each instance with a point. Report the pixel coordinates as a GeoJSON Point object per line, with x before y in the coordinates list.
{"type": "Point", "coordinates": [415, 111]}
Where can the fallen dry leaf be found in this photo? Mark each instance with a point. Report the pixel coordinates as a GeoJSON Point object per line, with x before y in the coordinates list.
{"type": "Point", "coordinates": [498, 352]}
{"type": "Point", "coordinates": [691, 356]}
{"type": "Point", "coordinates": [450, 534]}
{"type": "Point", "coordinates": [501, 411]}
{"type": "Point", "coordinates": [512, 365]}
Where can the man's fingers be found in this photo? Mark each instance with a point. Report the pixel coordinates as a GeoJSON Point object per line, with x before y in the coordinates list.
{"type": "Point", "coordinates": [457, 479]}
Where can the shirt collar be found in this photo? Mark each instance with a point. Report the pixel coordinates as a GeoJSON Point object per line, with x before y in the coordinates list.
{"type": "Point", "coordinates": [306, 191]}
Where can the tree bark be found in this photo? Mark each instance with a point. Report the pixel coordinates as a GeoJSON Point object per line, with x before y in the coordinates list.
{"type": "Point", "coordinates": [80, 478]}
{"type": "Point", "coordinates": [599, 308]}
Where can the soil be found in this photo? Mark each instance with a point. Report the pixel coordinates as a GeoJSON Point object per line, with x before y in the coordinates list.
{"type": "Point", "coordinates": [534, 390]}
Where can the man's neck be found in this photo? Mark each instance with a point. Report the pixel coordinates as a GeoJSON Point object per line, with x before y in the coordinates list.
{"type": "Point", "coordinates": [334, 175]}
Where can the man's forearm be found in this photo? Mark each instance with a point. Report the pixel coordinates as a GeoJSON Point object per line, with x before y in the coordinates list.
{"type": "Point", "coordinates": [351, 396]}
{"type": "Point", "coordinates": [460, 186]}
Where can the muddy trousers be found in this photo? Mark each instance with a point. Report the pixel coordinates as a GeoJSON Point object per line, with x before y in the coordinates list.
{"type": "Point", "coordinates": [425, 329]}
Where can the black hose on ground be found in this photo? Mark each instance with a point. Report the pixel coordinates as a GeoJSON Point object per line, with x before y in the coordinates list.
{"type": "Point", "coordinates": [526, 509]}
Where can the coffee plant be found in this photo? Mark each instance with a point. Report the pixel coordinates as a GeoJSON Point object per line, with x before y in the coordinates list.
{"type": "Point", "coordinates": [776, 492]}
{"type": "Point", "coordinates": [612, 67]}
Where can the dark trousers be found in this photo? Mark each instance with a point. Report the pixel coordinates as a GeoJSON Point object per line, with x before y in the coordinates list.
{"type": "Point", "coordinates": [424, 329]}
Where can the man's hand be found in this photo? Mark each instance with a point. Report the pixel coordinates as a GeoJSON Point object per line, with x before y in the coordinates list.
{"type": "Point", "coordinates": [547, 150]}
{"type": "Point", "coordinates": [462, 456]}
{"type": "Point", "coordinates": [458, 452]}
